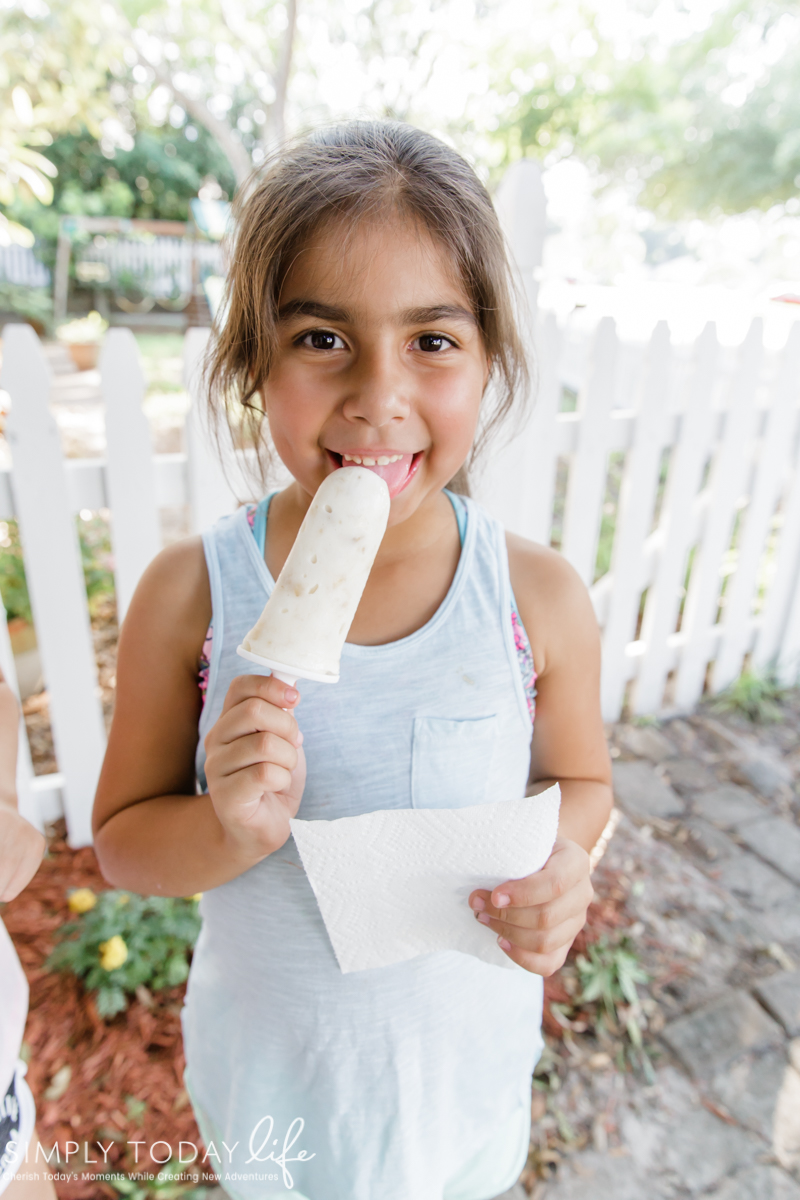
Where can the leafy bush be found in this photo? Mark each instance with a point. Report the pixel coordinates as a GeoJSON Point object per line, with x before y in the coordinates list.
{"type": "Point", "coordinates": [755, 696]}
{"type": "Point", "coordinates": [95, 543]}
{"type": "Point", "coordinates": [125, 941]}
{"type": "Point", "coordinates": [33, 302]}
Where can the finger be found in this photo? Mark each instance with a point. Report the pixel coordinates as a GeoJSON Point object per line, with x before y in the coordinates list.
{"type": "Point", "coordinates": [253, 748]}
{"type": "Point", "coordinates": [538, 964]}
{"type": "Point", "coordinates": [265, 687]}
{"type": "Point", "coordinates": [254, 715]}
{"type": "Point", "coordinates": [547, 941]}
{"type": "Point", "coordinates": [540, 916]}
{"type": "Point", "coordinates": [566, 866]}
{"type": "Point", "coordinates": [261, 778]}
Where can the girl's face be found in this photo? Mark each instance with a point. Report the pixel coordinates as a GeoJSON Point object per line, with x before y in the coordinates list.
{"type": "Point", "coordinates": [380, 361]}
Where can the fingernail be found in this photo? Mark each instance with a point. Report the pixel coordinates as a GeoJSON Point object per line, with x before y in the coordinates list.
{"type": "Point", "coordinates": [501, 901]}
{"type": "Point", "coordinates": [484, 918]}
{"type": "Point", "coordinates": [478, 904]}
{"type": "Point", "coordinates": [290, 695]}
{"type": "Point", "coordinates": [503, 944]}
{"type": "Point", "coordinates": [298, 741]}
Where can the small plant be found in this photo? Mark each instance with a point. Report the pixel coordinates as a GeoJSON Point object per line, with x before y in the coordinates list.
{"type": "Point", "coordinates": [124, 941]}
{"type": "Point", "coordinates": [756, 696]}
{"type": "Point", "coordinates": [82, 331]}
{"type": "Point", "coordinates": [96, 558]}
{"type": "Point", "coordinates": [609, 973]}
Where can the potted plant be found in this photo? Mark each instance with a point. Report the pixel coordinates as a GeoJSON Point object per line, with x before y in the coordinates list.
{"type": "Point", "coordinates": [82, 338]}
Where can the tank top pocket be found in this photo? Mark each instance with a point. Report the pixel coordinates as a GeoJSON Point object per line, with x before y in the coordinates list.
{"type": "Point", "coordinates": [451, 761]}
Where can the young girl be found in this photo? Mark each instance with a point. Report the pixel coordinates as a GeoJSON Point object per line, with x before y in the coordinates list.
{"type": "Point", "coordinates": [368, 308]}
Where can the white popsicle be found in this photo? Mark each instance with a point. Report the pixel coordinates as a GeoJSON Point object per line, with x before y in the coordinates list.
{"type": "Point", "coordinates": [303, 627]}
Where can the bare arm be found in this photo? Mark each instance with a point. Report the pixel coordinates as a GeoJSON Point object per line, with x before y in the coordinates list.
{"type": "Point", "coordinates": [21, 846]}
{"type": "Point", "coordinates": [153, 833]}
{"type": "Point", "coordinates": [569, 744]}
{"type": "Point", "coordinates": [536, 918]}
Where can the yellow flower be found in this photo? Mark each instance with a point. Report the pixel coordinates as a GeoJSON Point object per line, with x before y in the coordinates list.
{"type": "Point", "coordinates": [198, 896]}
{"type": "Point", "coordinates": [113, 953]}
{"type": "Point", "coordinates": [81, 900]}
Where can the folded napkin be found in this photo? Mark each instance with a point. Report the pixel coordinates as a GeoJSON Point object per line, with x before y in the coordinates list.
{"type": "Point", "coordinates": [394, 884]}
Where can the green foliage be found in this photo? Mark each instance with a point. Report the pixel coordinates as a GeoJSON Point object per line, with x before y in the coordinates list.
{"type": "Point", "coordinates": [13, 584]}
{"type": "Point", "coordinates": [32, 302]}
{"type": "Point", "coordinates": [609, 975]}
{"type": "Point", "coordinates": [158, 934]}
{"type": "Point", "coordinates": [699, 125]}
{"type": "Point", "coordinates": [753, 695]}
{"type": "Point", "coordinates": [157, 178]}
{"type": "Point", "coordinates": [95, 544]}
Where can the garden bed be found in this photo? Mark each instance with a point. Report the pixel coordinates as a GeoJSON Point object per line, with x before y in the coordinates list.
{"type": "Point", "coordinates": [116, 1081]}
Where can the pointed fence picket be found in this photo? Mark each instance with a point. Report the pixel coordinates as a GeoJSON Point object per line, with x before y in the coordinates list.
{"type": "Point", "coordinates": [677, 526]}
{"type": "Point", "coordinates": [770, 472]}
{"type": "Point", "coordinates": [634, 516]}
{"type": "Point", "coordinates": [130, 475]}
{"type": "Point", "coordinates": [589, 465]}
{"type": "Point", "coordinates": [726, 486]}
{"type": "Point", "coordinates": [739, 427]}
{"type": "Point", "coordinates": [55, 577]}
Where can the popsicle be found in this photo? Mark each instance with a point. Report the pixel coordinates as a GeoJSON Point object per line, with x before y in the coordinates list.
{"type": "Point", "coordinates": [303, 627]}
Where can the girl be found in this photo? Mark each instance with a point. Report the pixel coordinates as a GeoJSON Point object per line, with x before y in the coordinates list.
{"type": "Point", "coordinates": [368, 308]}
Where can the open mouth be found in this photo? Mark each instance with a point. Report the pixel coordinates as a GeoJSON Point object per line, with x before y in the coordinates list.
{"type": "Point", "coordinates": [396, 469]}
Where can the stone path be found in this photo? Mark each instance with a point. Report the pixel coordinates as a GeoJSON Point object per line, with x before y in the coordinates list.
{"type": "Point", "coordinates": [708, 850]}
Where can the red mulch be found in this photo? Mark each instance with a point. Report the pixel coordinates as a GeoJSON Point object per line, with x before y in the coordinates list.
{"type": "Point", "coordinates": [137, 1056]}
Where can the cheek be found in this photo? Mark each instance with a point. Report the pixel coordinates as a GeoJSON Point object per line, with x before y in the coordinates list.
{"type": "Point", "coordinates": [452, 413]}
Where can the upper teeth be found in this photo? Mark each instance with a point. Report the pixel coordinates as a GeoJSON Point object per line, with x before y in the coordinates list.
{"type": "Point", "coordinates": [362, 461]}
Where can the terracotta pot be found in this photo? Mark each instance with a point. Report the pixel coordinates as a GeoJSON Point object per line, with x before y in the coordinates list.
{"type": "Point", "coordinates": [84, 354]}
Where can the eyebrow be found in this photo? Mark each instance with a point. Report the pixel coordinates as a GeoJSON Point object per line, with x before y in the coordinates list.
{"type": "Point", "coordinates": [411, 316]}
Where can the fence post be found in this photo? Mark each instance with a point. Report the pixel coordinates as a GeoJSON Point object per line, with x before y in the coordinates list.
{"type": "Point", "coordinates": [210, 493]}
{"type": "Point", "coordinates": [136, 534]}
{"type": "Point", "coordinates": [55, 577]}
{"type": "Point", "coordinates": [727, 480]}
{"type": "Point", "coordinates": [27, 802]}
{"type": "Point", "coordinates": [589, 466]}
{"type": "Point", "coordinates": [769, 477]}
{"type": "Point", "coordinates": [774, 640]}
{"type": "Point", "coordinates": [634, 517]}
{"type": "Point", "coordinates": [676, 524]}
{"type": "Point", "coordinates": [522, 209]}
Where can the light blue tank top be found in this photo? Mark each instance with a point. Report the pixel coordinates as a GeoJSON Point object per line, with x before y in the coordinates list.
{"type": "Point", "coordinates": [412, 1081]}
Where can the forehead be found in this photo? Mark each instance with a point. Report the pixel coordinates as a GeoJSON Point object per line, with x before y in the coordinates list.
{"type": "Point", "coordinates": [381, 265]}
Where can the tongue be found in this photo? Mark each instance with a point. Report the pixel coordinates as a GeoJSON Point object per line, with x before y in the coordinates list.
{"type": "Point", "coordinates": [394, 474]}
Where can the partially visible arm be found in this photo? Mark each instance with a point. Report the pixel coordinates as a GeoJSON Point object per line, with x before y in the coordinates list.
{"type": "Point", "coordinates": [536, 918]}
{"type": "Point", "coordinates": [153, 833]}
{"type": "Point", "coordinates": [569, 744]}
{"type": "Point", "coordinates": [21, 846]}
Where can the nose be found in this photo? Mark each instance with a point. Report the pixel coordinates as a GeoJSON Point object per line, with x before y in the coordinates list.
{"type": "Point", "coordinates": [378, 390]}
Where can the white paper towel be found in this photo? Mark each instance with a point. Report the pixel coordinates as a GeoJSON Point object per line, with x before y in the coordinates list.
{"type": "Point", "coordinates": [393, 884]}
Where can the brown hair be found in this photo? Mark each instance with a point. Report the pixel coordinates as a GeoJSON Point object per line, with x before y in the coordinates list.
{"type": "Point", "coordinates": [349, 172]}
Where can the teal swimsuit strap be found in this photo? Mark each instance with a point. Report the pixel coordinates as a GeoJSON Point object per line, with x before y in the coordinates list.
{"type": "Point", "coordinates": [460, 509]}
{"type": "Point", "coordinates": [260, 522]}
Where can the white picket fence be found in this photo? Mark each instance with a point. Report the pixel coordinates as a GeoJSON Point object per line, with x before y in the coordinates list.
{"type": "Point", "coordinates": [729, 420]}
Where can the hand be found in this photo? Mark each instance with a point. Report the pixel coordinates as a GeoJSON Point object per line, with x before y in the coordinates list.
{"type": "Point", "coordinates": [255, 768]}
{"type": "Point", "coordinates": [537, 918]}
{"type": "Point", "coordinates": [21, 850]}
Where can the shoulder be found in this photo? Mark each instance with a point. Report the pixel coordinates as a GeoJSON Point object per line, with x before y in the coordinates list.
{"type": "Point", "coordinates": [173, 598]}
{"type": "Point", "coordinates": [554, 603]}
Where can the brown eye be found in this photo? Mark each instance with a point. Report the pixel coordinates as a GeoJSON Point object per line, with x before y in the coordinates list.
{"type": "Point", "coordinates": [321, 339]}
{"type": "Point", "coordinates": [432, 343]}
